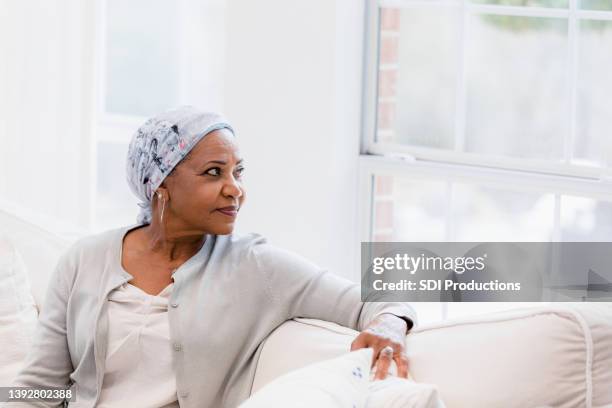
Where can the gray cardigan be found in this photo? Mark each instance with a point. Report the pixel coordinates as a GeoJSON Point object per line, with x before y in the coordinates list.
{"type": "Point", "coordinates": [226, 300]}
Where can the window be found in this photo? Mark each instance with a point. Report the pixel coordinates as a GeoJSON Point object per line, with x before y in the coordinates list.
{"type": "Point", "coordinates": [487, 120]}
{"type": "Point", "coordinates": [153, 55]}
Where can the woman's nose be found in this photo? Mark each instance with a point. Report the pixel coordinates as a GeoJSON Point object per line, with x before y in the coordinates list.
{"type": "Point", "coordinates": [232, 188]}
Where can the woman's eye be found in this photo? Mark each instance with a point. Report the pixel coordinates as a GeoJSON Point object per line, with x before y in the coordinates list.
{"type": "Point", "coordinates": [214, 171]}
{"type": "Point", "coordinates": [239, 171]}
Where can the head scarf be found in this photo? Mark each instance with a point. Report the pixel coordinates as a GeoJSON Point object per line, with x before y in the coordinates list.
{"type": "Point", "coordinates": [160, 144]}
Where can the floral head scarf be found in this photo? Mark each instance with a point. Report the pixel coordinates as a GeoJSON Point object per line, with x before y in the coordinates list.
{"type": "Point", "coordinates": [160, 144]}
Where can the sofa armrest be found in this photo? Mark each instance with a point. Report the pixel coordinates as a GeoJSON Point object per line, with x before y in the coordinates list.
{"type": "Point", "coordinates": [555, 355]}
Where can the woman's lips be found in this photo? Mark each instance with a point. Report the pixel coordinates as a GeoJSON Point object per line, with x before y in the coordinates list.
{"type": "Point", "coordinates": [229, 211]}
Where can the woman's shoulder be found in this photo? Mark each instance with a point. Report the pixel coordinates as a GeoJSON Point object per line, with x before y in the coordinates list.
{"type": "Point", "coordinates": [248, 244]}
{"type": "Point", "coordinates": [256, 249]}
{"type": "Point", "coordinates": [243, 240]}
{"type": "Point", "coordinates": [237, 244]}
{"type": "Point", "coordinates": [88, 253]}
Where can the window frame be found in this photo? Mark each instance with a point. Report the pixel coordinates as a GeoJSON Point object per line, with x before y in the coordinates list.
{"type": "Point", "coordinates": [402, 160]}
{"type": "Point", "coordinates": [513, 180]}
{"type": "Point", "coordinates": [521, 175]}
{"type": "Point", "coordinates": [108, 124]}
{"type": "Point", "coordinates": [373, 33]}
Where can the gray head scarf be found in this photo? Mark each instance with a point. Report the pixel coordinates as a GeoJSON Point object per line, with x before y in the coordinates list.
{"type": "Point", "coordinates": [160, 144]}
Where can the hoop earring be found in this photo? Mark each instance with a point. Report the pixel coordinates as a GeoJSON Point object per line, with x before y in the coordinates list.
{"type": "Point", "coordinates": [161, 216]}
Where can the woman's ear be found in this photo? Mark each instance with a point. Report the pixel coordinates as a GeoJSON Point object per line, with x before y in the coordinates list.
{"type": "Point", "coordinates": [161, 194]}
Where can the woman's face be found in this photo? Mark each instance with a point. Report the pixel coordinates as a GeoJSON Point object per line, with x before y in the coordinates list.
{"type": "Point", "coordinates": [205, 191]}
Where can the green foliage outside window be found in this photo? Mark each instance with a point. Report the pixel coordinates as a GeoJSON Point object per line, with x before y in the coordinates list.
{"type": "Point", "coordinates": [526, 3]}
{"type": "Point", "coordinates": [584, 4]}
{"type": "Point", "coordinates": [514, 23]}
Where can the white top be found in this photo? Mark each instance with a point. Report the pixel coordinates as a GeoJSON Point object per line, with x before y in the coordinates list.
{"type": "Point", "coordinates": [138, 369]}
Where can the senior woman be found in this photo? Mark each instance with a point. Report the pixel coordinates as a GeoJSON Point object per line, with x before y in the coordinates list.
{"type": "Point", "coordinates": [174, 309]}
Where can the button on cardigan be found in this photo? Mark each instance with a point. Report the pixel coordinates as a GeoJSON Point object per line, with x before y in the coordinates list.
{"type": "Point", "coordinates": [229, 297]}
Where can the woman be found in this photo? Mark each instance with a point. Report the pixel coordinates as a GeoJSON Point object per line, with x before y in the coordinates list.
{"type": "Point", "coordinates": [174, 310]}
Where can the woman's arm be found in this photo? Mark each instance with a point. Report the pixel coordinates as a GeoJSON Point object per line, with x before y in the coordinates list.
{"type": "Point", "coordinates": [304, 290]}
{"type": "Point", "coordinates": [48, 362]}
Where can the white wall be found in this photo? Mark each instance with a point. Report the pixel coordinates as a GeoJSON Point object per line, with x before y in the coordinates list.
{"type": "Point", "coordinates": [293, 81]}
{"type": "Point", "coordinates": [46, 79]}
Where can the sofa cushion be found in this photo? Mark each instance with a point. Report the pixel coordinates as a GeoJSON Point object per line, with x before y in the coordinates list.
{"type": "Point", "coordinates": [18, 313]}
{"type": "Point", "coordinates": [395, 392]}
{"type": "Point", "coordinates": [336, 383]}
{"type": "Point", "coordinates": [40, 250]}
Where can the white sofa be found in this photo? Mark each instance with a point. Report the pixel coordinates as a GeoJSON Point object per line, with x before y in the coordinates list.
{"type": "Point", "coordinates": [548, 356]}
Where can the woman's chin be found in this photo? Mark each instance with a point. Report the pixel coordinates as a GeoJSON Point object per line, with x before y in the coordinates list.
{"type": "Point", "coordinates": [224, 229]}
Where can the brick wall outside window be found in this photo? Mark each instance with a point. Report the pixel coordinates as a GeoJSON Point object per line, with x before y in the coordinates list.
{"type": "Point", "coordinates": [387, 97]}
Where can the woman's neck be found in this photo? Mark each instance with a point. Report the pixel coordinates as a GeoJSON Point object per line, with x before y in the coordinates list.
{"type": "Point", "coordinates": [172, 244]}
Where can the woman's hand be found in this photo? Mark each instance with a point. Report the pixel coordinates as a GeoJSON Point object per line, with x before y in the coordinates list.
{"type": "Point", "coordinates": [386, 335]}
